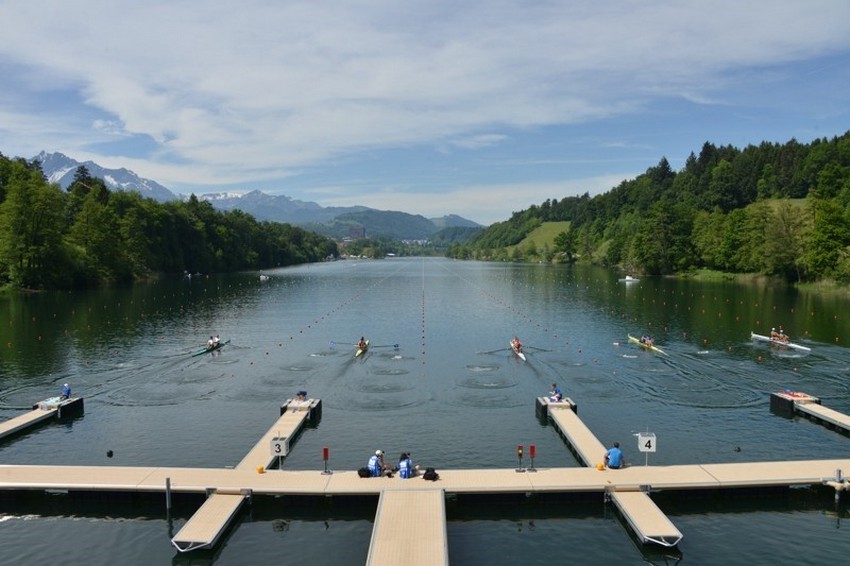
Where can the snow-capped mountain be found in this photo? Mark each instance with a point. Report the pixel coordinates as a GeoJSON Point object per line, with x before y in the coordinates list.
{"type": "Point", "coordinates": [59, 168]}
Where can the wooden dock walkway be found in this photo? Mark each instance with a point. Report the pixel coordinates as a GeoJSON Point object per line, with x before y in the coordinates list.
{"type": "Point", "coordinates": [293, 416]}
{"type": "Point", "coordinates": [26, 420]}
{"type": "Point", "coordinates": [641, 513]}
{"type": "Point", "coordinates": [410, 529]}
{"type": "Point", "coordinates": [795, 402]}
{"type": "Point", "coordinates": [42, 411]}
{"type": "Point", "coordinates": [206, 526]}
{"type": "Point", "coordinates": [687, 477]}
{"type": "Point", "coordinates": [423, 540]}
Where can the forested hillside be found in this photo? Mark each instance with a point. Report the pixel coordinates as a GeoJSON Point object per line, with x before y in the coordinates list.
{"type": "Point", "coordinates": [777, 209]}
{"type": "Point", "coordinates": [87, 235]}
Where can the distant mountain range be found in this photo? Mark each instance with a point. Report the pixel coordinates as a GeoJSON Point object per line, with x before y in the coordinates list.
{"type": "Point", "coordinates": [59, 168]}
{"type": "Point", "coordinates": [337, 222]}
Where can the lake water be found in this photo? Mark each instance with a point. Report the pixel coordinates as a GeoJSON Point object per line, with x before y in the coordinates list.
{"type": "Point", "coordinates": [451, 393]}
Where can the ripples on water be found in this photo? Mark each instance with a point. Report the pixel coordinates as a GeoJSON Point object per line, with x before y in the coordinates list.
{"type": "Point", "coordinates": [450, 393]}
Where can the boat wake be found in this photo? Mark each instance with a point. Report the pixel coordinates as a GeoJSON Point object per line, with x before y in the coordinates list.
{"type": "Point", "coordinates": [480, 383]}
{"type": "Point", "coordinates": [482, 368]}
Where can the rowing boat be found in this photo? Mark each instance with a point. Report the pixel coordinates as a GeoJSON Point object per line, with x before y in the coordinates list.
{"type": "Point", "coordinates": [629, 279]}
{"type": "Point", "coordinates": [763, 338]}
{"type": "Point", "coordinates": [517, 350]}
{"type": "Point", "coordinates": [208, 349]}
{"type": "Point", "coordinates": [360, 351]}
{"type": "Point", "coordinates": [651, 347]}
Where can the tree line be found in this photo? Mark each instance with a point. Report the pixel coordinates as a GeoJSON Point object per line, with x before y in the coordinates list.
{"type": "Point", "coordinates": [782, 210]}
{"type": "Point", "coordinates": [89, 235]}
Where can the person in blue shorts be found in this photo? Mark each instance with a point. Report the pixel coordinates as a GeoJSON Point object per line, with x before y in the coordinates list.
{"type": "Point", "coordinates": [555, 395]}
{"type": "Point", "coordinates": [614, 457]}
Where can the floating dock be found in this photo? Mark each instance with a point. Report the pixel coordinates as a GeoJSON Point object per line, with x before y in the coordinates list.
{"type": "Point", "coordinates": [42, 411]}
{"type": "Point", "coordinates": [643, 516]}
{"type": "Point", "coordinates": [205, 527]}
{"type": "Point", "coordinates": [790, 403]}
{"type": "Point", "coordinates": [396, 537]}
{"type": "Point", "coordinates": [410, 529]}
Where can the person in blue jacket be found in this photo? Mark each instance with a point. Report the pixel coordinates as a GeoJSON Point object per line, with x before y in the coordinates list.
{"type": "Point", "coordinates": [66, 392]}
{"type": "Point", "coordinates": [406, 469]}
{"type": "Point", "coordinates": [377, 467]}
{"type": "Point", "coordinates": [614, 457]}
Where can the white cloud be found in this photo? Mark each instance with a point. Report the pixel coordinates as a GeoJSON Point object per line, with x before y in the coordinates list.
{"type": "Point", "coordinates": [484, 204]}
{"type": "Point", "coordinates": [251, 91]}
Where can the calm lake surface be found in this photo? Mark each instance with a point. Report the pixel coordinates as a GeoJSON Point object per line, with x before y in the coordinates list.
{"type": "Point", "coordinates": [451, 393]}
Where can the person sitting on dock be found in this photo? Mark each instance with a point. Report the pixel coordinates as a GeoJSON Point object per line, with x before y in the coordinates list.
{"type": "Point", "coordinates": [614, 457]}
{"type": "Point", "coordinates": [555, 395]}
{"type": "Point", "coordinates": [406, 469]}
{"type": "Point", "coordinates": [301, 396]}
{"type": "Point", "coordinates": [66, 392]}
{"type": "Point", "coordinates": [377, 467]}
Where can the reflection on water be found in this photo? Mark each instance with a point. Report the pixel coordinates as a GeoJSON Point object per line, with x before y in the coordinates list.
{"type": "Point", "coordinates": [450, 392]}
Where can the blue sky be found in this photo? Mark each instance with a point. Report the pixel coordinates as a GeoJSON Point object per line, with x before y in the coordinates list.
{"type": "Point", "coordinates": [429, 107]}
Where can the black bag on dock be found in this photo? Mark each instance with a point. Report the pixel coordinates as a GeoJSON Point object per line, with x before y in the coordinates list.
{"type": "Point", "coordinates": [364, 472]}
{"type": "Point", "coordinates": [430, 474]}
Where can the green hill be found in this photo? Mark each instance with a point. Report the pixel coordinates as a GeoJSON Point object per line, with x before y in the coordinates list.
{"type": "Point", "coordinates": [543, 235]}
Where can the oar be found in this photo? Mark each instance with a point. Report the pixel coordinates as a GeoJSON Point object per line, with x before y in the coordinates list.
{"type": "Point", "coordinates": [331, 343]}
{"type": "Point", "coordinates": [384, 346]}
{"type": "Point", "coordinates": [493, 351]}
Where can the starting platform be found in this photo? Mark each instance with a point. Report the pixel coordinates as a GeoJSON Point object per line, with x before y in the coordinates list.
{"type": "Point", "coordinates": [42, 411]}
{"type": "Point", "coordinates": [790, 403]}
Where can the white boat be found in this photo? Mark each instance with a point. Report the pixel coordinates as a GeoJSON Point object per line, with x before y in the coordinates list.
{"type": "Point", "coordinates": [788, 344]}
{"type": "Point", "coordinates": [629, 279]}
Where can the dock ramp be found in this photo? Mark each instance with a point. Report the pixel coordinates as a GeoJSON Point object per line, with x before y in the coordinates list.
{"type": "Point", "coordinates": [645, 518]}
{"type": "Point", "coordinates": [293, 416]}
{"type": "Point", "coordinates": [410, 529]}
{"type": "Point", "coordinates": [648, 522]}
{"type": "Point", "coordinates": [42, 411]}
{"type": "Point", "coordinates": [788, 403]}
{"type": "Point", "coordinates": [207, 525]}
{"type": "Point", "coordinates": [26, 420]}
